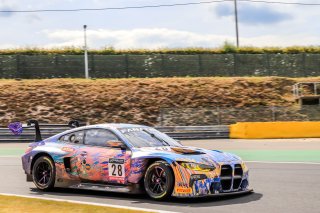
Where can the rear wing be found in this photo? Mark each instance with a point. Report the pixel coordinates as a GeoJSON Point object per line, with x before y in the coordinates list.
{"type": "Point", "coordinates": [35, 124]}
{"type": "Point", "coordinates": [17, 127]}
{"type": "Point", "coordinates": [74, 124]}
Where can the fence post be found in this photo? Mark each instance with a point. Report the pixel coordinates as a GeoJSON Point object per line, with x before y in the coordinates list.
{"type": "Point", "coordinates": [126, 58]}
{"type": "Point", "coordinates": [304, 72]}
{"type": "Point", "coordinates": [268, 64]}
{"type": "Point", "coordinates": [56, 70]}
{"type": "Point", "coordinates": [18, 66]}
{"type": "Point", "coordinates": [20, 69]}
{"type": "Point", "coordinates": [93, 65]}
{"type": "Point", "coordinates": [162, 67]}
{"type": "Point", "coordinates": [200, 65]}
{"type": "Point", "coordinates": [235, 64]}
{"type": "Point", "coordinates": [56, 59]}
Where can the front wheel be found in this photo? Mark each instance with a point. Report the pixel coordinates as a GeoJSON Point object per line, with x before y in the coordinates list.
{"type": "Point", "coordinates": [43, 173]}
{"type": "Point", "coordinates": [159, 180]}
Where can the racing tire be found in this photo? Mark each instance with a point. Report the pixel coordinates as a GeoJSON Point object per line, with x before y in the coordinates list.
{"type": "Point", "coordinates": [159, 180]}
{"type": "Point", "coordinates": [44, 173]}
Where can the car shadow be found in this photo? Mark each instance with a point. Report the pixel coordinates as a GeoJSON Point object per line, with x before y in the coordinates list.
{"type": "Point", "coordinates": [144, 199]}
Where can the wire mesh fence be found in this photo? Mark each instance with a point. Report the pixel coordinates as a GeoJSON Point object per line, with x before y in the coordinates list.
{"type": "Point", "coordinates": [160, 65]}
{"type": "Point", "coordinates": [231, 115]}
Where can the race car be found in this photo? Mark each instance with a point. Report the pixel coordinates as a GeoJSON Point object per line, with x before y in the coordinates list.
{"type": "Point", "coordinates": [133, 159]}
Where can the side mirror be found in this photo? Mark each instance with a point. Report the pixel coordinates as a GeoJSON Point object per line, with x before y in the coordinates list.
{"type": "Point", "coordinates": [116, 144]}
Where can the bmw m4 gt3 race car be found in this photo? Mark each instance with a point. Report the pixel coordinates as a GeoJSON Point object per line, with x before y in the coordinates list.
{"type": "Point", "coordinates": [133, 159]}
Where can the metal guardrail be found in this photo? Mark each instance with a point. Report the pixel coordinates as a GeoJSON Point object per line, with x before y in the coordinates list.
{"type": "Point", "coordinates": [177, 132]}
{"type": "Point", "coordinates": [196, 132]}
{"type": "Point", "coordinates": [303, 89]}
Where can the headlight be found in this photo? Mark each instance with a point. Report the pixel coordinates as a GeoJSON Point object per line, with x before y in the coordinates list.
{"type": "Point", "coordinates": [244, 167]}
{"type": "Point", "coordinates": [197, 166]}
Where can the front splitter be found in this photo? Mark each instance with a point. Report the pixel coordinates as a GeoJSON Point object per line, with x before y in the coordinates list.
{"type": "Point", "coordinates": [248, 191]}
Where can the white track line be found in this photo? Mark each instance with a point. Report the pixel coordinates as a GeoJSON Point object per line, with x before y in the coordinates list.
{"type": "Point", "coordinates": [89, 203]}
{"type": "Point", "coordinates": [284, 162]}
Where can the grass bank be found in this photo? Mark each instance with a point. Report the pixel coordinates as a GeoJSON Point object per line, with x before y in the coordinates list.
{"type": "Point", "coordinates": [134, 100]}
{"type": "Point", "coordinates": [15, 204]}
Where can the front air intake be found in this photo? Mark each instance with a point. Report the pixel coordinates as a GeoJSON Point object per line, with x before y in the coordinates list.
{"type": "Point", "coordinates": [226, 177]}
{"type": "Point", "coordinates": [238, 173]}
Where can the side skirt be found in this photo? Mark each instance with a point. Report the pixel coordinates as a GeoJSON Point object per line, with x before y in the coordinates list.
{"type": "Point", "coordinates": [134, 188]}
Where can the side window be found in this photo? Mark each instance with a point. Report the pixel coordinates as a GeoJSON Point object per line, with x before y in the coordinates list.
{"type": "Point", "coordinates": [99, 137]}
{"type": "Point", "coordinates": [74, 137]}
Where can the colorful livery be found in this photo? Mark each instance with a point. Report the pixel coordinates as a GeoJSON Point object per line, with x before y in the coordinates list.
{"type": "Point", "coordinates": [133, 159]}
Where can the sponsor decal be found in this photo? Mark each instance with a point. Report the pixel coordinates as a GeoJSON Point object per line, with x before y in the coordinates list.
{"type": "Point", "coordinates": [181, 184]}
{"type": "Point", "coordinates": [163, 149]}
{"type": "Point", "coordinates": [127, 130]}
{"type": "Point", "coordinates": [116, 168]}
{"type": "Point", "coordinates": [116, 160]}
{"type": "Point", "coordinates": [134, 129]}
{"type": "Point", "coordinates": [184, 190]}
{"type": "Point", "coordinates": [198, 177]}
{"type": "Point", "coordinates": [67, 149]}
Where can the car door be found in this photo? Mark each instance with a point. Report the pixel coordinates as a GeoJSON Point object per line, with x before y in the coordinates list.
{"type": "Point", "coordinates": [99, 161]}
{"type": "Point", "coordinates": [71, 143]}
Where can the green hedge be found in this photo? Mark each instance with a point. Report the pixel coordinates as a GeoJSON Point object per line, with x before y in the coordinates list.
{"type": "Point", "coordinates": [227, 48]}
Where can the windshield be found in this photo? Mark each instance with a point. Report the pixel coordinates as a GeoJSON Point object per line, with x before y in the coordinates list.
{"type": "Point", "coordinates": [147, 137]}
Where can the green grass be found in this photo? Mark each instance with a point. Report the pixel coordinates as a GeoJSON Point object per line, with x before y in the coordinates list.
{"type": "Point", "coordinates": [279, 155]}
{"type": "Point", "coordinates": [11, 152]}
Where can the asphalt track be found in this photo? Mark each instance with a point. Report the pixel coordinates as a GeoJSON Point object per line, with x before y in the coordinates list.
{"type": "Point", "coordinates": [282, 182]}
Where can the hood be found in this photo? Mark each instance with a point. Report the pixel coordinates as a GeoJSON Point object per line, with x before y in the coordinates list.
{"type": "Point", "coordinates": [189, 154]}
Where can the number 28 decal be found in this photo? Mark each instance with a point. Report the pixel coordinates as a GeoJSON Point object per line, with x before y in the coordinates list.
{"type": "Point", "coordinates": [116, 167]}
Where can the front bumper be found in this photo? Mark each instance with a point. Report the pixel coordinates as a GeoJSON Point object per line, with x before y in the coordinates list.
{"type": "Point", "coordinates": [227, 179]}
{"type": "Point", "coordinates": [26, 163]}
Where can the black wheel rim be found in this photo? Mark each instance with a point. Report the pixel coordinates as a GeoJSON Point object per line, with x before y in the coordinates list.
{"type": "Point", "coordinates": [43, 173]}
{"type": "Point", "coordinates": [157, 182]}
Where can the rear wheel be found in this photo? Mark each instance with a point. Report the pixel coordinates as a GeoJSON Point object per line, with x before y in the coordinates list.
{"type": "Point", "coordinates": [44, 173]}
{"type": "Point", "coordinates": [159, 180]}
